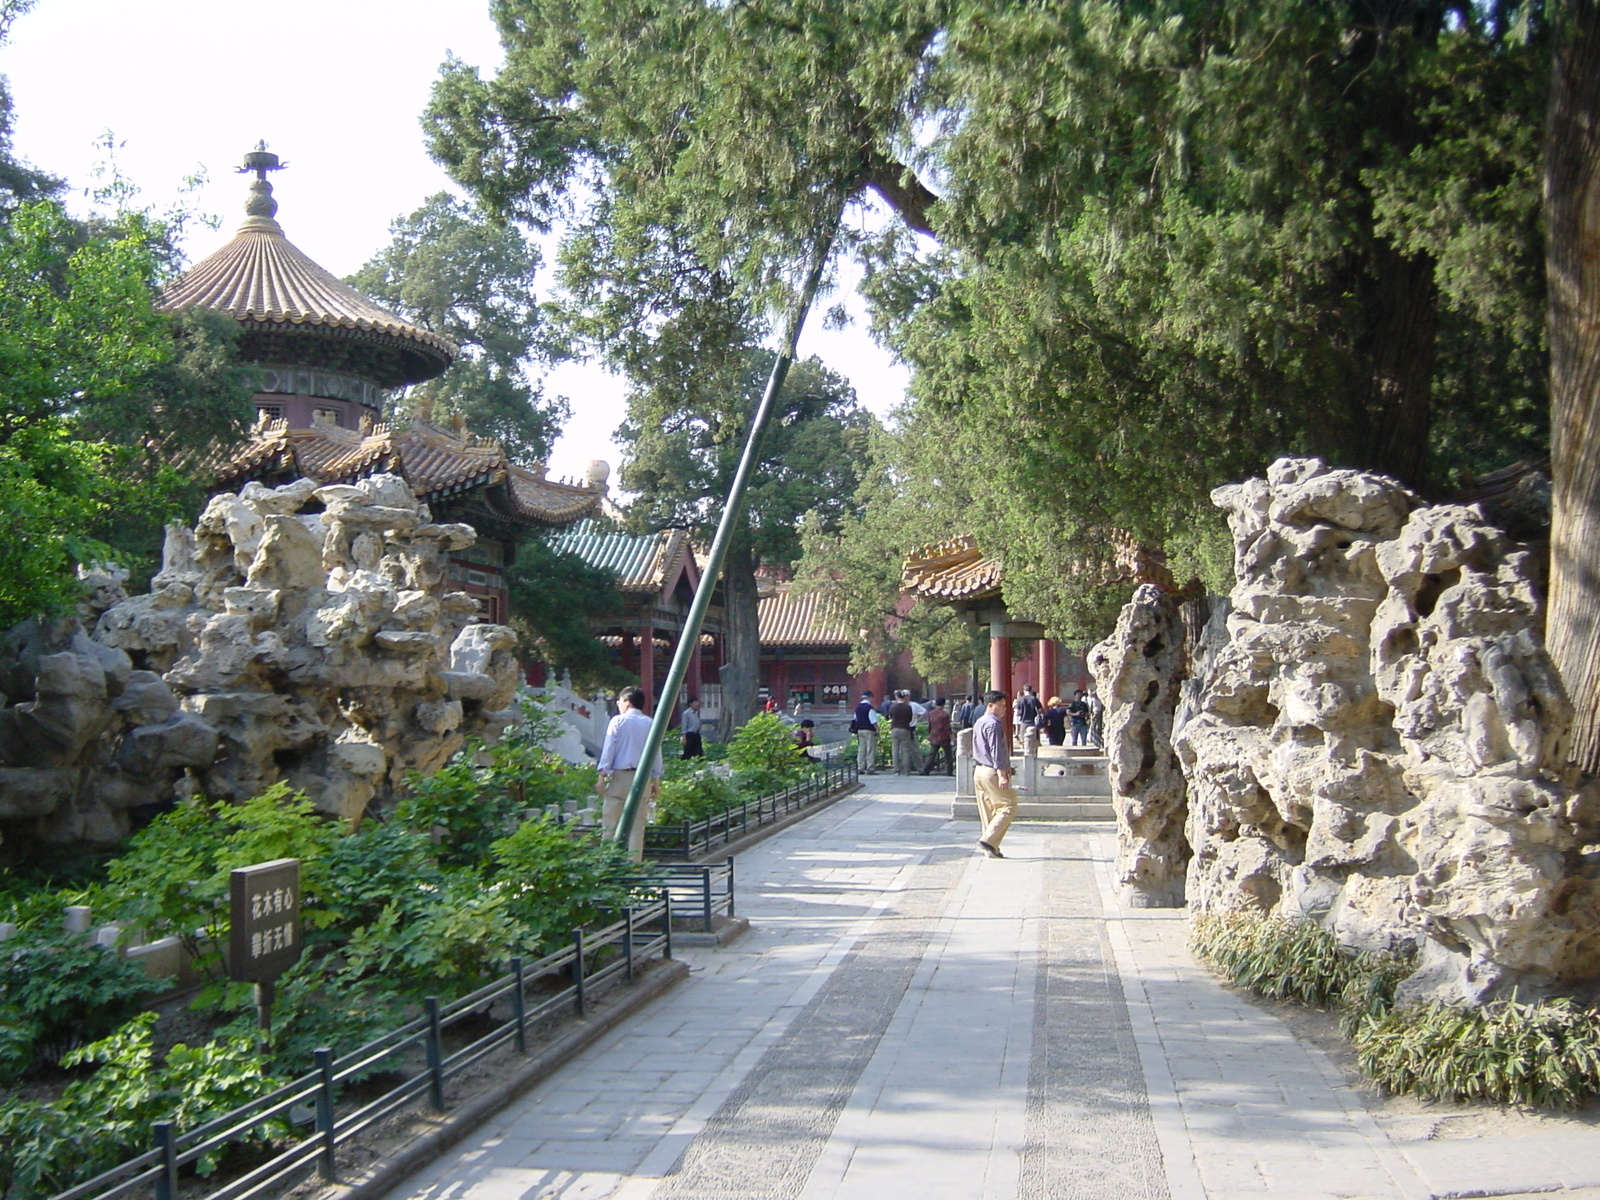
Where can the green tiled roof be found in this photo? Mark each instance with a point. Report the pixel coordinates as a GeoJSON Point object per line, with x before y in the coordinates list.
{"type": "Point", "coordinates": [641, 562]}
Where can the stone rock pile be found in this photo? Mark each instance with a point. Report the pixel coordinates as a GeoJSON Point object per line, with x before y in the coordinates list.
{"type": "Point", "coordinates": [1374, 746]}
{"type": "Point", "coordinates": [323, 648]}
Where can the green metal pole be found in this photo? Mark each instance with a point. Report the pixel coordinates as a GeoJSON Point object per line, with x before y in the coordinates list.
{"type": "Point", "coordinates": [689, 642]}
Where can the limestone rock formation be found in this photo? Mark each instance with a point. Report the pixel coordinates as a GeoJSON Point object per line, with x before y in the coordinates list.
{"type": "Point", "coordinates": [1373, 747]}
{"type": "Point", "coordinates": [302, 633]}
{"type": "Point", "coordinates": [324, 647]}
{"type": "Point", "coordinates": [1137, 672]}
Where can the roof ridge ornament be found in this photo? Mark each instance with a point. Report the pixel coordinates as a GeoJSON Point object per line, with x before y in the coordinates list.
{"type": "Point", "coordinates": [261, 160]}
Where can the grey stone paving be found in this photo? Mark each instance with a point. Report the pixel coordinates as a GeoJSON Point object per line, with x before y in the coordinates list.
{"type": "Point", "coordinates": [909, 1019]}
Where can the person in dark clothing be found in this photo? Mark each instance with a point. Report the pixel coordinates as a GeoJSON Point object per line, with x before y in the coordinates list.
{"type": "Point", "coordinates": [939, 739]}
{"type": "Point", "coordinates": [1078, 711]}
{"type": "Point", "coordinates": [1055, 722]}
{"type": "Point", "coordinates": [903, 731]}
{"type": "Point", "coordinates": [806, 737]}
{"type": "Point", "coordinates": [865, 726]}
{"type": "Point", "coordinates": [693, 746]}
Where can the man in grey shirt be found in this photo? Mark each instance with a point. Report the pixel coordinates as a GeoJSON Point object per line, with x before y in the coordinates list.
{"type": "Point", "coordinates": [991, 774]}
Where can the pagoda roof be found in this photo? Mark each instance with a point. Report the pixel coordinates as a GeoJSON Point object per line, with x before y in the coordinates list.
{"type": "Point", "coordinates": [267, 284]}
{"type": "Point", "coordinates": [437, 463]}
{"type": "Point", "coordinates": [788, 617]}
{"type": "Point", "coordinates": [644, 563]}
{"type": "Point", "coordinates": [952, 571]}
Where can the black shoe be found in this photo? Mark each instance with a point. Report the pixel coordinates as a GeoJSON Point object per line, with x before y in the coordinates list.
{"type": "Point", "coordinates": [991, 851]}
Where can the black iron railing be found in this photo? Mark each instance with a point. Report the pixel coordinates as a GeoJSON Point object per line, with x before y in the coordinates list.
{"type": "Point", "coordinates": [642, 933]}
{"type": "Point", "coordinates": [690, 838]}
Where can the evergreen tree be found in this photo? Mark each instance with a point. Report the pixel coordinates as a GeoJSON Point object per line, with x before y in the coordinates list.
{"type": "Point", "coordinates": [459, 274]}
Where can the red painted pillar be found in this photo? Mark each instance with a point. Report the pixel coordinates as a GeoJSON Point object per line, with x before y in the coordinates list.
{"type": "Point", "coordinates": [1047, 669]}
{"type": "Point", "coordinates": [1000, 675]}
{"type": "Point", "coordinates": [694, 668]}
{"type": "Point", "coordinates": [647, 659]}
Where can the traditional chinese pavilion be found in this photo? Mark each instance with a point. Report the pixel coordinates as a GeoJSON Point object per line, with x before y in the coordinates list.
{"type": "Point", "coordinates": [330, 361]}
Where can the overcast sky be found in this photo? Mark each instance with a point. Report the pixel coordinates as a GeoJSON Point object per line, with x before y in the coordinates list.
{"type": "Point", "coordinates": [336, 88]}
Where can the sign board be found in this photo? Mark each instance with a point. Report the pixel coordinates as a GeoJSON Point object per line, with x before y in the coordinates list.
{"type": "Point", "coordinates": [835, 693]}
{"type": "Point", "coordinates": [265, 911]}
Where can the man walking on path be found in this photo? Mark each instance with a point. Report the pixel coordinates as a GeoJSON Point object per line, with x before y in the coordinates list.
{"type": "Point", "coordinates": [991, 774]}
{"type": "Point", "coordinates": [939, 738]}
{"type": "Point", "coordinates": [865, 726]}
{"type": "Point", "coordinates": [693, 747]}
{"type": "Point", "coordinates": [619, 761]}
{"type": "Point", "coordinates": [902, 729]}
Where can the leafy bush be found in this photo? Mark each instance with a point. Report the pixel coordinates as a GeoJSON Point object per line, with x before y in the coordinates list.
{"type": "Point", "coordinates": [1545, 1054]}
{"type": "Point", "coordinates": [555, 879]}
{"type": "Point", "coordinates": [174, 875]}
{"type": "Point", "coordinates": [105, 1118]}
{"type": "Point", "coordinates": [694, 796]}
{"type": "Point", "coordinates": [58, 990]}
{"type": "Point", "coordinates": [462, 807]}
{"type": "Point", "coordinates": [765, 744]}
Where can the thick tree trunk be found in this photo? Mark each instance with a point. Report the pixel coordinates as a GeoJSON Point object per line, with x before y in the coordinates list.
{"type": "Point", "coordinates": [1392, 401]}
{"type": "Point", "coordinates": [741, 673]}
{"type": "Point", "coordinates": [1572, 266]}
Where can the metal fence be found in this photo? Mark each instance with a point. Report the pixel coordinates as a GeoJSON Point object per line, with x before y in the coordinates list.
{"type": "Point", "coordinates": [700, 891]}
{"type": "Point", "coordinates": [689, 838]}
{"type": "Point", "coordinates": [641, 934]}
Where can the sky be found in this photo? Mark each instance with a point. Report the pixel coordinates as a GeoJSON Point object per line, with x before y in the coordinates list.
{"type": "Point", "coordinates": [336, 88]}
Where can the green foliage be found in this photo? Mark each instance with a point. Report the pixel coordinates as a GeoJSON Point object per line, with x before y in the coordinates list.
{"type": "Point", "coordinates": [765, 743]}
{"type": "Point", "coordinates": [174, 873]}
{"type": "Point", "coordinates": [459, 805]}
{"type": "Point", "coordinates": [102, 1119]}
{"type": "Point", "coordinates": [694, 796]}
{"type": "Point", "coordinates": [58, 990]}
{"type": "Point", "coordinates": [554, 879]}
{"type": "Point", "coordinates": [1545, 1054]}
{"type": "Point", "coordinates": [1298, 961]}
{"type": "Point", "coordinates": [456, 273]}
{"type": "Point", "coordinates": [555, 596]}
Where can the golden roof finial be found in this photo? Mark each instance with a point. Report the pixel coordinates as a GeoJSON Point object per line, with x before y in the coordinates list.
{"type": "Point", "coordinates": [261, 160]}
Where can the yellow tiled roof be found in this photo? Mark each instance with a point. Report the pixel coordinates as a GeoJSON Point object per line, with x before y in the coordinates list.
{"type": "Point", "coordinates": [952, 570]}
{"type": "Point", "coordinates": [790, 618]}
{"type": "Point", "coordinates": [435, 462]}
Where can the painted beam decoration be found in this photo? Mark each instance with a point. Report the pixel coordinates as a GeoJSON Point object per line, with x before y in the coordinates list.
{"type": "Point", "coordinates": [265, 909]}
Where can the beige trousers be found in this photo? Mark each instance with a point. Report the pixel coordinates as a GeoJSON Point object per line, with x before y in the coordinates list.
{"type": "Point", "coordinates": [997, 804]}
{"type": "Point", "coordinates": [617, 785]}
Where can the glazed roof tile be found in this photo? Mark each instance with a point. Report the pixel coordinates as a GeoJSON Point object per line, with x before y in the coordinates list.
{"type": "Point", "coordinates": [435, 462]}
{"type": "Point", "coordinates": [791, 618]}
{"type": "Point", "coordinates": [642, 562]}
{"type": "Point", "coordinates": [953, 570]}
{"type": "Point", "coordinates": [261, 277]}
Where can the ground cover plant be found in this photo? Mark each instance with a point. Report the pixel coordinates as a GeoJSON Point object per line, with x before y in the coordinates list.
{"type": "Point", "coordinates": [1545, 1053]}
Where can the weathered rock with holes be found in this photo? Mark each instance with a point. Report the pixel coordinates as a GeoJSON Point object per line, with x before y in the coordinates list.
{"type": "Point", "coordinates": [1137, 672]}
{"type": "Point", "coordinates": [304, 634]}
{"type": "Point", "coordinates": [1373, 746]}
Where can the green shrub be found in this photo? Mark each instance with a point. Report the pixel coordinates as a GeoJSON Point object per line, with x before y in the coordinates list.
{"type": "Point", "coordinates": [555, 879]}
{"type": "Point", "coordinates": [1545, 1054]}
{"type": "Point", "coordinates": [1296, 960]}
{"type": "Point", "coordinates": [765, 744]}
{"type": "Point", "coordinates": [463, 806]}
{"type": "Point", "coordinates": [101, 1120]}
{"type": "Point", "coordinates": [694, 796]}
{"type": "Point", "coordinates": [57, 991]}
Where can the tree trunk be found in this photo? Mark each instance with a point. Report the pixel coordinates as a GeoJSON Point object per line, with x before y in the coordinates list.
{"type": "Point", "coordinates": [1392, 403]}
{"type": "Point", "coordinates": [741, 673]}
{"type": "Point", "coordinates": [1572, 268]}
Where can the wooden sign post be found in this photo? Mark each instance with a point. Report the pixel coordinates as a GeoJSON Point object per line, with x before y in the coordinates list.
{"type": "Point", "coordinates": [264, 941]}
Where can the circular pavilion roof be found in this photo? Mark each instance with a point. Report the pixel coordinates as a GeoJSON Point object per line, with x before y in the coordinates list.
{"type": "Point", "coordinates": [270, 286]}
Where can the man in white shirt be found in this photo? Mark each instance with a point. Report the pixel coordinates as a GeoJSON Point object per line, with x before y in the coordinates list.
{"type": "Point", "coordinates": [619, 762]}
{"type": "Point", "coordinates": [689, 726]}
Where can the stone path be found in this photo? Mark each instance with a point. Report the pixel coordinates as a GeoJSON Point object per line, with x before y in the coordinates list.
{"type": "Point", "coordinates": [909, 1019]}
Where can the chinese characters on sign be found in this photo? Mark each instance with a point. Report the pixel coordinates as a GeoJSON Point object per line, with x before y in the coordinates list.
{"type": "Point", "coordinates": [265, 939]}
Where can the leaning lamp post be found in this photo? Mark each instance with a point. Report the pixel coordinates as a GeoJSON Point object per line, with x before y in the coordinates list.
{"type": "Point", "coordinates": [689, 642]}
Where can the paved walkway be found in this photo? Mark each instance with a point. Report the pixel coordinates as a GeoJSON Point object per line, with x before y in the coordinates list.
{"type": "Point", "coordinates": [908, 1018]}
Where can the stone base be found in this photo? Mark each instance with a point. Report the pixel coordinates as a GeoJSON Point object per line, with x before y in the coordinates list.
{"type": "Point", "coordinates": [723, 931]}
